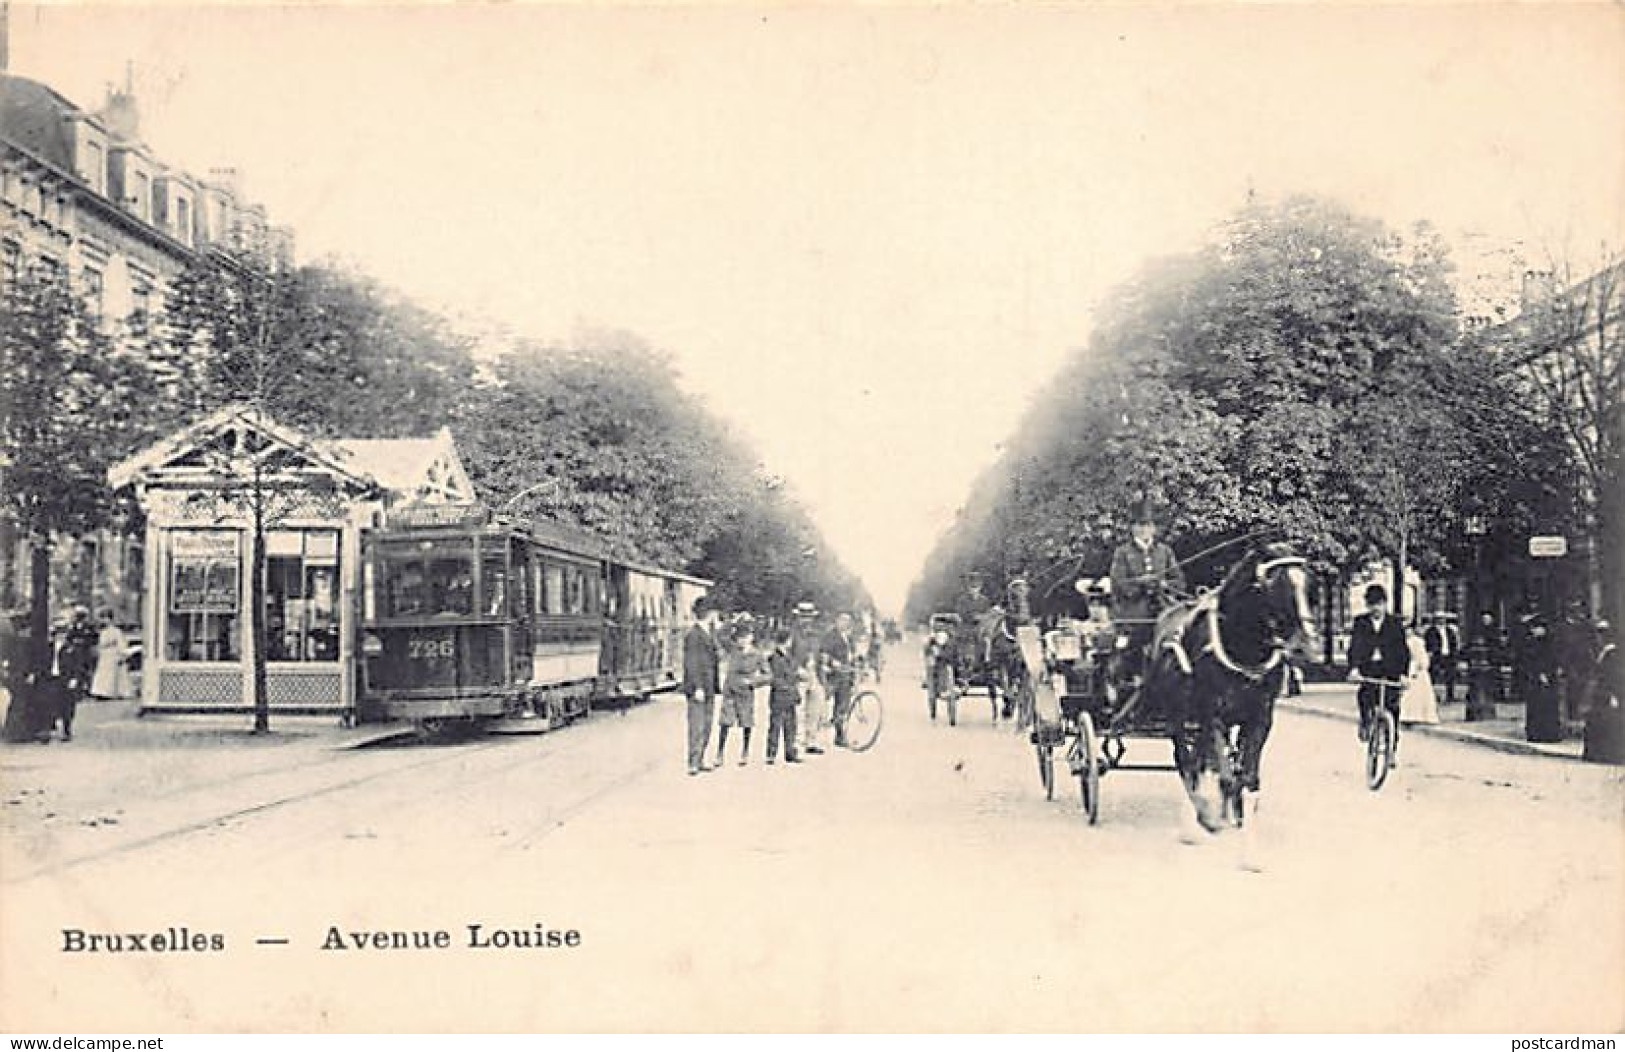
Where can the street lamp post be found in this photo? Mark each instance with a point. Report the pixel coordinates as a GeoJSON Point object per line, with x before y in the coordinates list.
{"type": "Point", "coordinates": [1480, 661]}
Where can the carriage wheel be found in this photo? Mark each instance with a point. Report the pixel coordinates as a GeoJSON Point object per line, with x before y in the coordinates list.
{"type": "Point", "coordinates": [1379, 753]}
{"type": "Point", "coordinates": [1046, 763]}
{"type": "Point", "coordinates": [1089, 775]}
{"type": "Point", "coordinates": [863, 721]}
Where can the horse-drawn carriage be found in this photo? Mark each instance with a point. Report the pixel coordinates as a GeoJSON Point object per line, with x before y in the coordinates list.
{"type": "Point", "coordinates": [1203, 674]}
{"type": "Point", "coordinates": [957, 662]}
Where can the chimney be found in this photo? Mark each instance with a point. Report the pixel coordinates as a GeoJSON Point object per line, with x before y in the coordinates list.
{"type": "Point", "coordinates": [1538, 287]}
{"type": "Point", "coordinates": [119, 112]}
{"type": "Point", "coordinates": [5, 36]}
{"type": "Point", "coordinates": [230, 179]}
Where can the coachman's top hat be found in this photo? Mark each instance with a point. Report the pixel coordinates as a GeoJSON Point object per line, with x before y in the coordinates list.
{"type": "Point", "coordinates": [1144, 512]}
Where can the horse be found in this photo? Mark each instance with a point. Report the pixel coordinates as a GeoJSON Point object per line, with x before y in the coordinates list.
{"type": "Point", "coordinates": [1218, 663]}
{"type": "Point", "coordinates": [1013, 651]}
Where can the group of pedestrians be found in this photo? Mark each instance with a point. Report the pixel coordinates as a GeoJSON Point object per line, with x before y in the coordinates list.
{"type": "Point", "coordinates": [81, 660]}
{"type": "Point", "coordinates": [809, 672]}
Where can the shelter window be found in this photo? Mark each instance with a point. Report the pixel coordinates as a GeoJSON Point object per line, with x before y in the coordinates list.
{"type": "Point", "coordinates": [204, 596]}
{"type": "Point", "coordinates": [301, 595]}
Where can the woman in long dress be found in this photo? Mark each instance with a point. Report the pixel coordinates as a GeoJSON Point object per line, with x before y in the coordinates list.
{"type": "Point", "coordinates": [112, 678]}
{"type": "Point", "coordinates": [1418, 703]}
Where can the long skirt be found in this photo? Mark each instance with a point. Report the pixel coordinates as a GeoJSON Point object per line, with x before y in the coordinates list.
{"type": "Point", "coordinates": [1418, 703]}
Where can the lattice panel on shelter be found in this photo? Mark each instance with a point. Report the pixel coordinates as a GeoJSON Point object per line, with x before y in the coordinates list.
{"type": "Point", "coordinates": [305, 689]}
{"type": "Point", "coordinates": [198, 686]}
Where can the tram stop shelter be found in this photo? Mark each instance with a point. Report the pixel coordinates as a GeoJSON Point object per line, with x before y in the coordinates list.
{"type": "Point", "coordinates": [202, 490]}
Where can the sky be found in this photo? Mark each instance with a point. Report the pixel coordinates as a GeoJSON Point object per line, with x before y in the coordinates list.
{"type": "Point", "coordinates": [867, 236]}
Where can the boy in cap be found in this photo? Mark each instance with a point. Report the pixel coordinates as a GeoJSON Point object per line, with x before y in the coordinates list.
{"type": "Point", "coordinates": [746, 671]}
{"type": "Point", "coordinates": [783, 696]}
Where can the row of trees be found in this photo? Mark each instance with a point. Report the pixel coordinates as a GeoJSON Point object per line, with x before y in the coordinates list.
{"type": "Point", "coordinates": [1301, 374]}
{"type": "Point", "coordinates": [624, 452]}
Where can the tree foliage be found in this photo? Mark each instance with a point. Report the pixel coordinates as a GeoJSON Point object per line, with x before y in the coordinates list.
{"type": "Point", "coordinates": [1300, 374]}
{"type": "Point", "coordinates": [644, 466]}
{"type": "Point", "coordinates": [71, 403]}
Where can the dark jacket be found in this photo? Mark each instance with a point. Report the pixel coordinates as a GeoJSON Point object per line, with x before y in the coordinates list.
{"type": "Point", "coordinates": [77, 657]}
{"type": "Point", "coordinates": [785, 691]}
{"type": "Point", "coordinates": [1442, 641]}
{"type": "Point", "coordinates": [1379, 654]}
{"type": "Point", "coordinates": [701, 661]}
{"type": "Point", "coordinates": [836, 656]}
{"type": "Point", "coordinates": [1138, 575]}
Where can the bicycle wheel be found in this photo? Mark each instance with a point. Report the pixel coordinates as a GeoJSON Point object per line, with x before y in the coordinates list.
{"type": "Point", "coordinates": [1089, 772]}
{"type": "Point", "coordinates": [863, 722]}
{"type": "Point", "coordinates": [1046, 763]}
{"type": "Point", "coordinates": [1379, 751]}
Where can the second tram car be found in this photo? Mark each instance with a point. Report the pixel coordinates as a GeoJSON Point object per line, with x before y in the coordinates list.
{"type": "Point", "coordinates": [468, 617]}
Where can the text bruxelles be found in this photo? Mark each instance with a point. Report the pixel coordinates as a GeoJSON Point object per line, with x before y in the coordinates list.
{"type": "Point", "coordinates": [184, 940]}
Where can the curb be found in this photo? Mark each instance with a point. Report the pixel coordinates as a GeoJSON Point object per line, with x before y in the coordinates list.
{"type": "Point", "coordinates": [1449, 733]}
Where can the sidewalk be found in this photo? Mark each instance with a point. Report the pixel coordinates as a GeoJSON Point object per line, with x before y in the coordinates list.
{"type": "Point", "coordinates": [114, 725]}
{"type": "Point", "coordinates": [1505, 732]}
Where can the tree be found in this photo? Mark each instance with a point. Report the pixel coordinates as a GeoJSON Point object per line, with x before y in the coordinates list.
{"type": "Point", "coordinates": [641, 464]}
{"type": "Point", "coordinates": [1567, 354]}
{"type": "Point", "coordinates": [1291, 376]}
{"type": "Point", "coordinates": [70, 404]}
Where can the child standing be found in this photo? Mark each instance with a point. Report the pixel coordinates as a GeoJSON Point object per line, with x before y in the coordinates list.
{"type": "Point", "coordinates": [783, 697]}
{"type": "Point", "coordinates": [746, 671]}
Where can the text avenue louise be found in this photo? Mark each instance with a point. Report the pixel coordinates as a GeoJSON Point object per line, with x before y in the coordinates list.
{"type": "Point", "coordinates": [336, 938]}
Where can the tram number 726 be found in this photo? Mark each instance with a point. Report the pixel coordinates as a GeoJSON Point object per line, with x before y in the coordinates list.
{"type": "Point", "coordinates": [419, 649]}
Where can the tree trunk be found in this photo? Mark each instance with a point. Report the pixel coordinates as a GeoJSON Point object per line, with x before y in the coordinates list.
{"type": "Point", "coordinates": [39, 605]}
{"type": "Point", "coordinates": [256, 622]}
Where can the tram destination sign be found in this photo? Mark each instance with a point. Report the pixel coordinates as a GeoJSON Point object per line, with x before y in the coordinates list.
{"type": "Point", "coordinates": [1548, 547]}
{"type": "Point", "coordinates": [423, 515]}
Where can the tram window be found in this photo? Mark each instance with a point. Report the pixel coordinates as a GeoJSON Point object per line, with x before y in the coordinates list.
{"type": "Point", "coordinates": [428, 581]}
{"type": "Point", "coordinates": [494, 584]}
{"type": "Point", "coordinates": [553, 588]}
{"type": "Point", "coordinates": [575, 592]}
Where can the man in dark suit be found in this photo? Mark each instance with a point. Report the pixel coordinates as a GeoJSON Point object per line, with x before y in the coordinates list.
{"type": "Point", "coordinates": [1143, 572]}
{"type": "Point", "coordinates": [702, 680]}
{"type": "Point", "coordinates": [837, 665]}
{"type": "Point", "coordinates": [1377, 651]}
{"type": "Point", "coordinates": [1443, 645]}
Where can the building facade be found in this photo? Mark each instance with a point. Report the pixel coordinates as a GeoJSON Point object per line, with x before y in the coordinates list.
{"type": "Point", "coordinates": [83, 196]}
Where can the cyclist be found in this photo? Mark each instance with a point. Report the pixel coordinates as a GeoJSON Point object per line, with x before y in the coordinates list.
{"type": "Point", "coordinates": [1377, 651]}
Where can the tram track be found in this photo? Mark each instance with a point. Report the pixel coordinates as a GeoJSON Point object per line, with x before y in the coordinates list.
{"type": "Point", "coordinates": [278, 800]}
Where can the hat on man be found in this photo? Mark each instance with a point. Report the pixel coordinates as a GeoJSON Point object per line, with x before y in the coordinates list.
{"type": "Point", "coordinates": [1376, 593]}
{"type": "Point", "coordinates": [1144, 513]}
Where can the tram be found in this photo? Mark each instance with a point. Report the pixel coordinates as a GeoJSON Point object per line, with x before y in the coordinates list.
{"type": "Point", "coordinates": [471, 618]}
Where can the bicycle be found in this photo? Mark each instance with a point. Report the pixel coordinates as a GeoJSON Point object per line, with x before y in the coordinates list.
{"type": "Point", "coordinates": [1380, 732]}
{"type": "Point", "coordinates": [864, 716]}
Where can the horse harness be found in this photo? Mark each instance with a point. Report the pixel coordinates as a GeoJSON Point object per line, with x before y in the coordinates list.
{"type": "Point", "coordinates": [1207, 605]}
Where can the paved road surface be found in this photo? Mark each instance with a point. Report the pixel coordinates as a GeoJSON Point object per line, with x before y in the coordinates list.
{"type": "Point", "coordinates": [924, 885]}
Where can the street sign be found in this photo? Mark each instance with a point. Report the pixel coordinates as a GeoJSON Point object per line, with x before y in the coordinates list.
{"type": "Point", "coordinates": [1548, 547]}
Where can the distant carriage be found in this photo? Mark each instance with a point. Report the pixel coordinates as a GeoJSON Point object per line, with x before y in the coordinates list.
{"type": "Point", "coordinates": [468, 617]}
